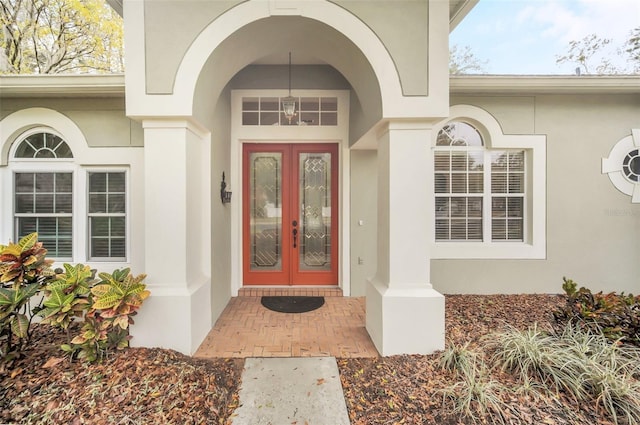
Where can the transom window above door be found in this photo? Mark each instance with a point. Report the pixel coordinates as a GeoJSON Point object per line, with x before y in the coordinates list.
{"type": "Point", "coordinates": [311, 111]}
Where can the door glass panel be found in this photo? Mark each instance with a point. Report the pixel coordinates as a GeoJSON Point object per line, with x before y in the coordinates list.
{"type": "Point", "coordinates": [315, 211]}
{"type": "Point", "coordinates": [265, 199]}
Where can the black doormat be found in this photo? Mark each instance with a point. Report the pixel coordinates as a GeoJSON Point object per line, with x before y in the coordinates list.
{"type": "Point", "coordinates": [284, 304]}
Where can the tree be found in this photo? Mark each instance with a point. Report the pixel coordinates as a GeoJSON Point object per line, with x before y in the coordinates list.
{"type": "Point", "coordinates": [464, 61]}
{"type": "Point", "coordinates": [632, 49]}
{"type": "Point", "coordinates": [60, 36]}
{"type": "Point", "coordinates": [595, 55]}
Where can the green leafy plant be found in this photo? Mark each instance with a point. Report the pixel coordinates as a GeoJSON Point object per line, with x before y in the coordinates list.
{"type": "Point", "coordinates": [535, 355]}
{"type": "Point", "coordinates": [459, 359]}
{"type": "Point", "coordinates": [585, 365]}
{"type": "Point", "coordinates": [23, 272]}
{"type": "Point", "coordinates": [68, 296]}
{"type": "Point", "coordinates": [475, 396]}
{"type": "Point", "coordinates": [616, 316]}
{"type": "Point", "coordinates": [111, 304]}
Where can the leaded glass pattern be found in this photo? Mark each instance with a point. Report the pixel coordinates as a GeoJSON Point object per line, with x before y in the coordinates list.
{"type": "Point", "coordinates": [265, 190]}
{"type": "Point", "coordinates": [315, 211]}
{"type": "Point", "coordinates": [107, 215]}
{"type": "Point", "coordinates": [43, 203]}
{"type": "Point", "coordinates": [43, 146]}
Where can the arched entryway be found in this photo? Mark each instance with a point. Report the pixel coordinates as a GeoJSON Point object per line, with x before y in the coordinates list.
{"type": "Point", "coordinates": [189, 143]}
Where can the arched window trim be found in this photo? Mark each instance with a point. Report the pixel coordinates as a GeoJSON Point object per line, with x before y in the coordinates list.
{"type": "Point", "coordinates": [533, 245]}
{"type": "Point", "coordinates": [20, 124]}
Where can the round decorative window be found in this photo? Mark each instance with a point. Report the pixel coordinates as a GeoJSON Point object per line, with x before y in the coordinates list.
{"type": "Point", "coordinates": [623, 165]}
{"type": "Point", "coordinates": [631, 166]}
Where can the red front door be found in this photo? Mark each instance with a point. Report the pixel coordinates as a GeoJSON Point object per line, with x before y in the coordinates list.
{"type": "Point", "coordinates": [290, 214]}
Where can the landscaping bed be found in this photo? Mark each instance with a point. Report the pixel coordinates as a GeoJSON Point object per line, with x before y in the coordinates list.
{"type": "Point", "coordinates": [154, 386]}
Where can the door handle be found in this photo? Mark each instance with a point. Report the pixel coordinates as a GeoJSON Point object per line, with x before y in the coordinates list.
{"type": "Point", "coordinates": [295, 233]}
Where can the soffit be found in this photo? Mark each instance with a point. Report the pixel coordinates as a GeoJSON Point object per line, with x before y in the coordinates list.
{"type": "Point", "coordinates": [113, 85]}
{"type": "Point", "coordinates": [62, 86]}
{"type": "Point", "coordinates": [458, 9]}
{"type": "Point", "coordinates": [544, 84]}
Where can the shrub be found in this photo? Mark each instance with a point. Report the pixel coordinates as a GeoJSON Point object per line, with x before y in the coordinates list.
{"type": "Point", "coordinates": [585, 365]}
{"type": "Point", "coordinates": [616, 316]}
{"type": "Point", "coordinates": [475, 395]}
{"type": "Point", "coordinates": [68, 296]}
{"type": "Point", "coordinates": [106, 305]}
{"type": "Point", "coordinates": [111, 304]}
{"type": "Point", "coordinates": [23, 271]}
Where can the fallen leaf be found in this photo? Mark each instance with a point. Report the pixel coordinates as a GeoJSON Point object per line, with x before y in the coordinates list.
{"type": "Point", "coordinates": [52, 362]}
{"type": "Point", "coordinates": [320, 381]}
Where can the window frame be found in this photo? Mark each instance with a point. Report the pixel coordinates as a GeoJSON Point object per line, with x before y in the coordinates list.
{"type": "Point", "coordinates": [17, 216]}
{"type": "Point", "coordinates": [89, 215]}
{"type": "Point", "coordinates": [533, 245]}
{"type": "Point", "coordinates": [78, 167]}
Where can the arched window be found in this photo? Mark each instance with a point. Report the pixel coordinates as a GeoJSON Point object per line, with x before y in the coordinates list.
{"type": "Point", "coordinates": [480, 193]}
{"type": "Point", "coordinates": [43, 145]}
{"type": "Point", "coordinates": [43, 200]}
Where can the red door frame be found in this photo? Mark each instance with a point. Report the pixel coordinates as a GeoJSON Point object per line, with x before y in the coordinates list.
{"type": "Point", "coordinates": [290, 273]}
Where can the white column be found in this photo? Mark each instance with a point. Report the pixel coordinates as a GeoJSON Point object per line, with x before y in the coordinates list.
{"type": "Point", "coordinates": [405, 315]}
{"type": "Point", "coordinates": [177, 202]}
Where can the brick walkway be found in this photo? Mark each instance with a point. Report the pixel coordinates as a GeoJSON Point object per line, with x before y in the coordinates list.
{"type": "Point", "coordinates": [247, 329]}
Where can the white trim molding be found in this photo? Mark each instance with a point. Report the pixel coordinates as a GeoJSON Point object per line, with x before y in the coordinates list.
{"type": "Point", "coordinates": [338, 134]}
{"type": "Point", "coordinates": [16, 126]}
{"type": "Point", "coordinates": [534, 244]}
{"type": "Point", "coordinates": [613, 165]}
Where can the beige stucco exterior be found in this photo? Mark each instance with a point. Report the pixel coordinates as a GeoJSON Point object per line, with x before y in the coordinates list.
{"type": "Point", "coordinates": [173, 122]}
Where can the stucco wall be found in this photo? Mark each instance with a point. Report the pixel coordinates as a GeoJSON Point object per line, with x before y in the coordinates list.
{"type": "Point", "coordinates": [221, 214]}
{"type": "Point", "coordinates": [101, 120]}
{"type": "Point", "coordinates": [591, 227]}
{"type": "Point", "coordinates": [172, 26]}
{"type": "Point", "coordinates": [364, 204]}
{"type": "Point", "coordinates": [403, 28]}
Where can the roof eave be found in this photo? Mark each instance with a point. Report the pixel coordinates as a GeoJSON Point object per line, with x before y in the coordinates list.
{"type": "Point", "coordinates": [62, 86]}
{"type": "Point", "coordinates": [544, 84]}
{"type": "Point", "coordinates": [458, 10]}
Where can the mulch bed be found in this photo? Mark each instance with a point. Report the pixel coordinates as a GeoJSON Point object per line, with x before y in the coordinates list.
{"type": "Point", "coordinates": [155, 386]}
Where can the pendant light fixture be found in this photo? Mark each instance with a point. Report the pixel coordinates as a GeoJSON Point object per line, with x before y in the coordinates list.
{"type": "Point", "coordinates": [289, 102]}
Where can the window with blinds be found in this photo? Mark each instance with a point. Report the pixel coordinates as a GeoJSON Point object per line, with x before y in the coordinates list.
{"type": "Point", "coordinates": [471, 180]}
{"type": "Point", "coordinates": [107, 216]}
{"type": "Point", "coordinates": [43, 203]}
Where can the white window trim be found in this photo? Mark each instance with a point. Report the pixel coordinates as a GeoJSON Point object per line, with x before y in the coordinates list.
{"type": "Point", "coordinates": [612, 165]}
{"type": "Point", "coordinates": [127, 206]}
{"type": "Point", "coordinates": [37, 166]}
{"type": "Point", "coordinates": [534, 244]}
{"type": "Point", "coordinates": [290, 134]}
{"type": "Point", "coordinates": [28, 121]}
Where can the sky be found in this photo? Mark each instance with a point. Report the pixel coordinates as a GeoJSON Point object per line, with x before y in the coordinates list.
{"type": "Point", "coordinates": [525, 36]}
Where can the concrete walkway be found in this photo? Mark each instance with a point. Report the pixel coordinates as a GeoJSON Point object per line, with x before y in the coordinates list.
{"type": "Point", "coordinates": [291, 391]}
